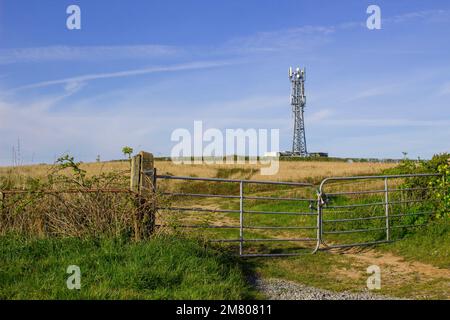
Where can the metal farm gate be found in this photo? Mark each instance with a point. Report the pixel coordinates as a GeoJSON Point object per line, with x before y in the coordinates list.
{"type": "Point", "coordinates": [272, 218]}
{"type": "Point", "coordinates": [249, 229]}
{"type": "Point", "coordinates": [368, 210]}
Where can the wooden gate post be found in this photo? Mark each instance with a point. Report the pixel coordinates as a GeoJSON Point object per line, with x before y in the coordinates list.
{"type": "Point", "coordinates": [142, 184]}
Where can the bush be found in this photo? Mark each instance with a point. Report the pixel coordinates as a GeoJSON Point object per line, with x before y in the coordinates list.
{"type": "Point", "coordinates": [438, 188]}
{"type": "Point", "coordinates": [67, 203]}
{"type": "Point", "coordinates": [442, 191]}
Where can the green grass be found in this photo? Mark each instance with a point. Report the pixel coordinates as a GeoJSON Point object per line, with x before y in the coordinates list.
{"type": "Point", "coordinates": [430, 244]}
{"type": "Point", "coordinates": [161, 268]}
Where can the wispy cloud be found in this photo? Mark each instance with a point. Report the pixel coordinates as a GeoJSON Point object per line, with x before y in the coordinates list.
{"type": "Point", "coordinates": [304, 37]}
{"type": "Point", "coordinates": [309, 36]}
{"type": "Point", "coordinates": [46, 133]}
{"type": "Point", "coordinates": [423, 14]}
{"type": "Point", "coordinates": [327, 117]}
{"type": "Point", "coordinates": [90, 53]}
{"type": "Point", "coordinates": [372, 92]}
{"type": "Point", "coordinates": [320, 115]}
{"type": "Point", "coordinates": [261, 41]}
{"type": "Point", "coordinates": [76, 81]}
{"type": "Point", "coordinates": [386, 122]}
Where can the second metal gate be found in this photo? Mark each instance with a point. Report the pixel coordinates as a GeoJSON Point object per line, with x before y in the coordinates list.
{"type": "Point", "coordinates": [367, 210]}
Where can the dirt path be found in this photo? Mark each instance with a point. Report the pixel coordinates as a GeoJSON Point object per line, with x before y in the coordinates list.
{"type": "Point", "coordinates": [394, 265]}
{"type": "Point", "coordinates": [397, 274]}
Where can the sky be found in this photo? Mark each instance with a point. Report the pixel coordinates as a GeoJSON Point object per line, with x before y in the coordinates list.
{"type": "Point", "coordinates": [138, 70]}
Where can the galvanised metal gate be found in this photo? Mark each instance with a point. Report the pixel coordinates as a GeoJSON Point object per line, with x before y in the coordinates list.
{"type": "Point", "coordinates": [341, 212]}
{"type": "Point", "coordinates": [241, 218]}
{"type": "Point", "coordinates": [368, 210]}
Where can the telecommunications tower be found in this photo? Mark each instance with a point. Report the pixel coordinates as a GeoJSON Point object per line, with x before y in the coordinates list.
{"type": "Point", "coordinates": [298, 101]}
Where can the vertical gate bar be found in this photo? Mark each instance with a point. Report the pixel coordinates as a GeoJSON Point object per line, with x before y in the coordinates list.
{"type": "Point", "coordinates": [241, 217]}
{"type": "Point", "coordinates": [319, 221]}
{"type": "Point", "coordinates": [386, 208]}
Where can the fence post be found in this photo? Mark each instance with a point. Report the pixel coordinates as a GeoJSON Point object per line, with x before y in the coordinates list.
{"type": "Point", "coordinates": [386, 208]}
{"type": "Point", "coordinates": [147, 192]}
{"type": "Point", "coordinates": [2, 202]}
{"type": "Point", "coordinates": [135, 168]}
{"type": "Point", "coordinates": [142, 184]}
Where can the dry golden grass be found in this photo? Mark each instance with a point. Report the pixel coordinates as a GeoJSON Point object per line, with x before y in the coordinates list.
{"type": "Point", "coordinates": [288, 171]}
{"type": "Point", "coordinates": [98, 214]}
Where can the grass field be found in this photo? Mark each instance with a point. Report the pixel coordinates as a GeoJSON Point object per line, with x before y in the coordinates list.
{"type": "Point", "coordinates": [179, 265]}
{"type": "Point", "coordinates": [163, 268]}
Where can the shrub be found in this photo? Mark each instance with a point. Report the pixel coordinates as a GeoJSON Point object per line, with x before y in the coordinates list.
{"type": "Point", "coordinates": [442, 191]}
{"type": "Point", "coordinates": [438, 188]}
{"type": "Point", "coordinates": [68, 203]}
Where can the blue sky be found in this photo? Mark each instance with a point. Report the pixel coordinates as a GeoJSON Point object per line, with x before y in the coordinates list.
{"type": "Point", "coordinates": [137, 70]}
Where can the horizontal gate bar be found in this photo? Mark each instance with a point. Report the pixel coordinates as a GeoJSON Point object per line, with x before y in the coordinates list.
{"type": "Point", "coordinates": [373, 229]}
{"type": "Point", "coordinates": [380, 217]}
{"type": "Point", "coordinates": [233, 227]}
{"type": "Point", "coordinates": [382, 177]}
{"type": "Point", "coordinates": [284, 239]}
{"type": "Point", "coordinates": [412, 201]}
{"type": "Point", "coordinates": [198, 226]}
{"type": "Point", "coordinates": [283, 212]}
{"type": "Point", "coordinates": [353, 231]}
{"type": "Point", "coordinates": [354, 192]}
{"type": "Point", "coordinates": [300, 184]}
{"type": "Point", "coordinates": [355, 205]}
{"type": "Point", "coordinates": [207, 195]}
{"type": "Point", "coordinates": [204, 195]}
{"type": "Point", "coordinates": [197, 209]}
{"type": "Point", "coordinates": [264, 240]}
{"type": "Point", "coordinates": [376, 204]}
{"type": "Point", "coordinates": [280, 227]}
{"type": "Point", "coordinates": [235, 211]}
{"type": "Point", "coordinates": [378, 191]}
{"type": "Point", "coordinates": [409, 225]}
{"type": "Point", "coordinates": [356, 244]}
{"type": "Point", "coordinates": [276, 198]}
{"type": "Point", "coordinates": [355, 219]}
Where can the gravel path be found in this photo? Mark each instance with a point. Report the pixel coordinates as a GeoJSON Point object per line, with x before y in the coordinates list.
{"type": "Point", "coordinates": [278, 289]}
